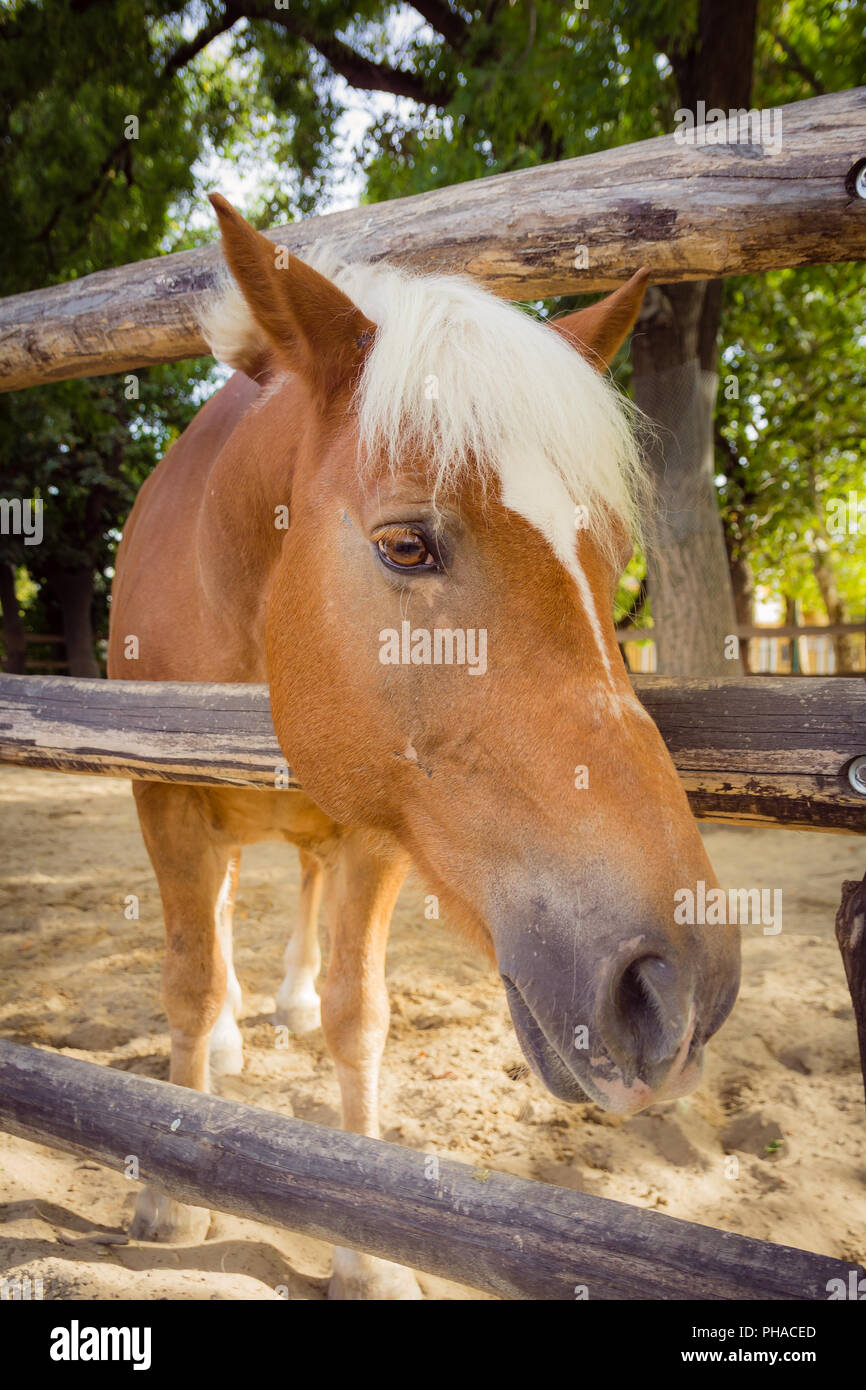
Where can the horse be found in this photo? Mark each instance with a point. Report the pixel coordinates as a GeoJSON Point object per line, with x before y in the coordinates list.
{"type": "Point", "coordinates": [392, 449]}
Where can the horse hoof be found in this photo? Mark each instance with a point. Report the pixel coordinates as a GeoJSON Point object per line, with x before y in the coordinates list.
{"type": "Point", "coordinates": [302, 1016]}
{"type": "Point", "coordinates": [226, 1061]}
{"type": "Point", "coordinates": [159, 1217]}
{"type": "Point", "coordinates": [358, 1277]}
{"type": "Point", "coordinates": [226, 1050]}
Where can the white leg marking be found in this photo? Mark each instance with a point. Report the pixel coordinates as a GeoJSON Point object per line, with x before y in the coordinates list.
{"type": "Point", "coordinates": [226, 1050]}
{"type": "Point", "coordinates": [358, 1276]}
{"type": "Point", "coordinates": [298, 1003]}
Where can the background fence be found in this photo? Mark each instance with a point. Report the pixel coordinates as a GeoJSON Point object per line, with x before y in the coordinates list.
{"type": "Point", "coordinates": [805, 650]}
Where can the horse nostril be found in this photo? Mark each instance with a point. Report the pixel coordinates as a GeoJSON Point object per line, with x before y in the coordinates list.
{"type": "Point", "coordinates": [650, 1010]}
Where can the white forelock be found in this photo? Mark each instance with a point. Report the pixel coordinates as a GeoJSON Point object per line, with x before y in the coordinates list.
{"type": "Point", "coordinates": [460, 379]}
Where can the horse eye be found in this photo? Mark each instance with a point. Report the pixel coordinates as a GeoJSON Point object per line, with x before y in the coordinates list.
{"type": "Point", "coordinates": [400, 547]}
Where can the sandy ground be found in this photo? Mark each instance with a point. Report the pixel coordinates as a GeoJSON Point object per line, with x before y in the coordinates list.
{"type": "Point", "coordinates": [781, 1092]}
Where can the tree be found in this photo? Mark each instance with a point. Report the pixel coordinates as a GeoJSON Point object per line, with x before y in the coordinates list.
{"type": "Point", "coordinates": [96, 144]}
{"type": "Point", "coordinates": [83, 449]}
{"type": "Point", "coordinates": [675, 353]}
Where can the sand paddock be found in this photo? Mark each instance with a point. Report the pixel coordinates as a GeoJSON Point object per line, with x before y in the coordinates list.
{"type": "Point", "coordinates": [781, 1092]}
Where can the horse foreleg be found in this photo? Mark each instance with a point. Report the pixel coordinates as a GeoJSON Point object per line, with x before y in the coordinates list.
{"type": "Point", "coordinates": [196, 875]}
{"type": "Point", "coordinates": [298, 1003]}
{"type": "Point", "coordinates": [362, 888]}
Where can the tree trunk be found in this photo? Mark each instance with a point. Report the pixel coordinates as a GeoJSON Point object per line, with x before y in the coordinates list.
{"type": "Point", "coordinates": [73, 590]}
{"type": "Point", "coordinates": [675, 356]}
{"type": "Point", "coordinates": [13, 628]}
{"type": "Point", "coordinates": [673, 351]}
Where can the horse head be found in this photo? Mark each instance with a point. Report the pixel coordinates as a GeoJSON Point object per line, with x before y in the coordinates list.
{"type": "Point", "coordinates": [462, 488]}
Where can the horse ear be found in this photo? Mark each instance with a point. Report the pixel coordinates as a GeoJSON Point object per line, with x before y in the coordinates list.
{"type": "Point", "coordinates": [597, 332]}
{"type": "Point", "coordinates": [314, 327]}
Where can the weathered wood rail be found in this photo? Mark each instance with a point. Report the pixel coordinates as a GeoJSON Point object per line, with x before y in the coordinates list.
{"type": "Point", "coordinates": [505, 1235]}
{"type": "Point", "coordinates": [751, 751]}
{"type": "Point", "coordinates": [689, 211]}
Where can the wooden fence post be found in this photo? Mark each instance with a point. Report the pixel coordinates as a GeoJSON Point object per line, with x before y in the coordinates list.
{"type": "Point", "coordinates": [851, 936]}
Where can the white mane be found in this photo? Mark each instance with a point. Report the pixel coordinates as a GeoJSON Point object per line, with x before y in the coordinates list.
{"type": "Point", "coordinates": [464, 379]}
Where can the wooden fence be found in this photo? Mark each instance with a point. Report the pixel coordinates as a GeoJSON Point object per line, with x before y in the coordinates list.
{"type": "Point", "coordinates": [688, 211]}
{"type": "Point", "coordinates": [770, 648]}
{"type": "Point", "coordinates": [502, 1234]}
{"type": "Point", "coordinates": [749, 751]}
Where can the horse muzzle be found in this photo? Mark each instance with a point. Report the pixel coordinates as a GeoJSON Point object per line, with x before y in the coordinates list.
{"type": "Point", "coordinates": [624, 1029]}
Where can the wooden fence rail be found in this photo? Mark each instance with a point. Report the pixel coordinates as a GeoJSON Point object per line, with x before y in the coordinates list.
{"type": "Point", "coordinates": [689, 211]}
{"type": "Point", "coordinates": [505, 1235]}
{"type": "Point", "coordinates": [750, 751]}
